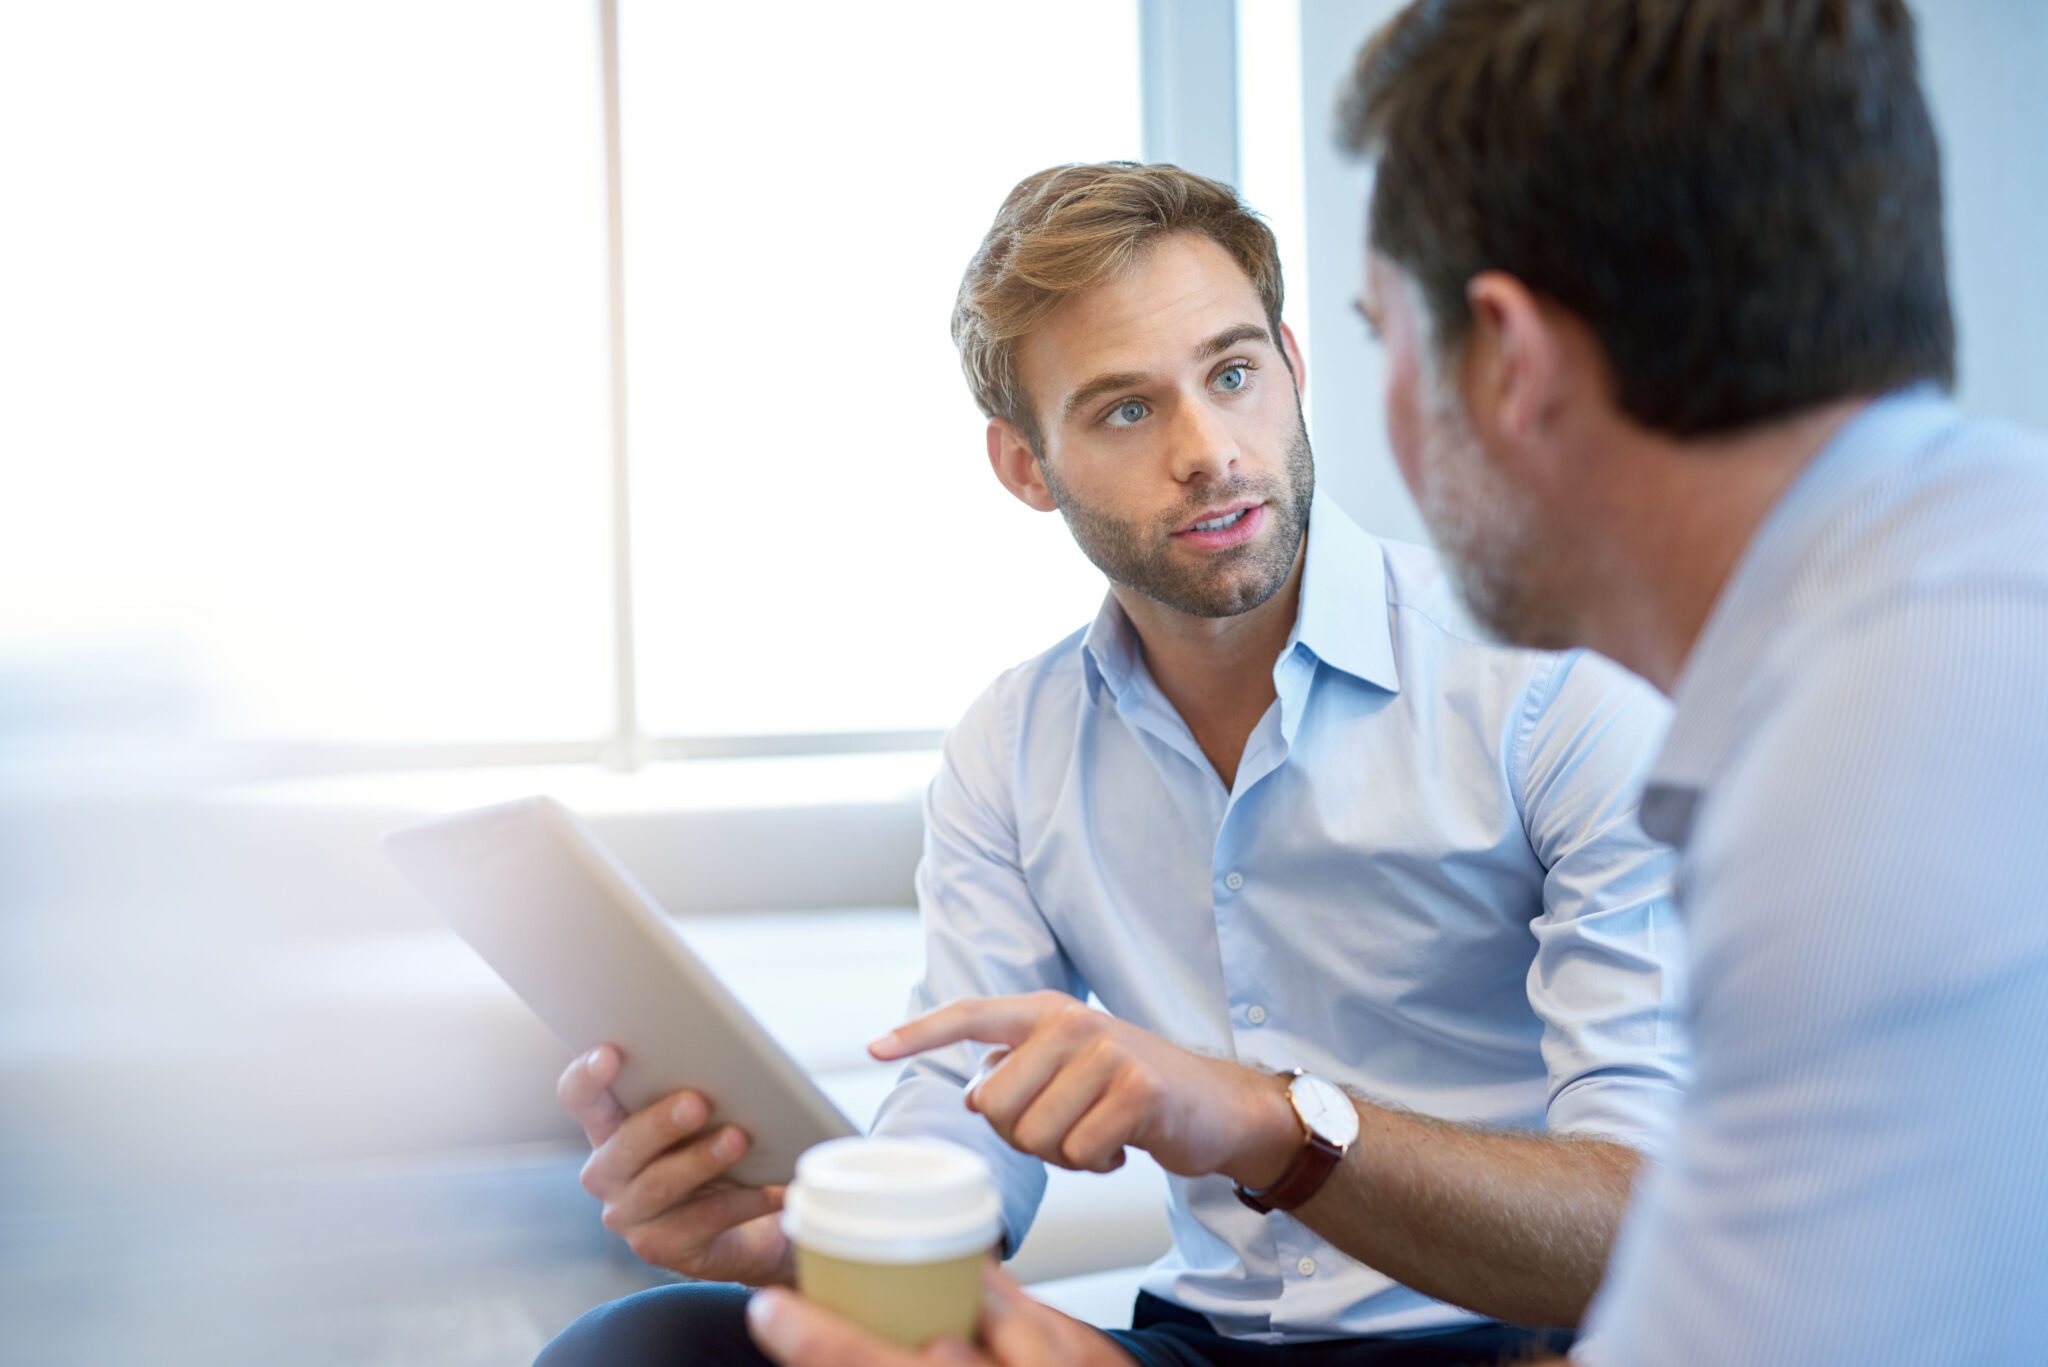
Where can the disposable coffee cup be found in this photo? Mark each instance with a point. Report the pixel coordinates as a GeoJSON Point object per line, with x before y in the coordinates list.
{"type": "Point", "coordinates": [893, 1233]}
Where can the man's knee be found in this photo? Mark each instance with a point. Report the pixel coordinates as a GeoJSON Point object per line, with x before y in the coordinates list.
{"type": "Point", "coordinates": [670, 1326]}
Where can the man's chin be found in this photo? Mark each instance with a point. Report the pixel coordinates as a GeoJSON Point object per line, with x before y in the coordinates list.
{"type": "Point", "coordinates": [1224, 596]}
{"type": "Point", "coordinates": [1482, 540]}
{"type": "Point", "coordinates": [1501, 604]}
{"type": "Point", "coordinates": [1214, 608]}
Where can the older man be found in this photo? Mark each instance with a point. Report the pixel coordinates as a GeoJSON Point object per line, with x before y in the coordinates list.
{"type": "Point", "coordinates": [1662, 287]}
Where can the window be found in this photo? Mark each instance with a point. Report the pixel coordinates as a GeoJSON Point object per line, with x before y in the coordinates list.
{"type": "Point", "coordinates": [819, 544]}
{"type": "Point", "coordinates": [305, 359]}
{"type": "Point", "coordinates": [306, 364]}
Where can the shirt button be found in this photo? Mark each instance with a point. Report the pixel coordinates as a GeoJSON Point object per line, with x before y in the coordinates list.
{"type": "Point", "coordinates": [1256, 1015]}
{"type": "Point", "coordinates": [1306, 1267]}
{"type": "Point", "coordinates": [1233, 881]}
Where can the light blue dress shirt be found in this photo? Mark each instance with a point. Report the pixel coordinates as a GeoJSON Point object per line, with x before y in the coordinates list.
{"type": "Point", "coordinates": [1428, 883]}
{"type": "Point", "coordinates": [1857, 774]}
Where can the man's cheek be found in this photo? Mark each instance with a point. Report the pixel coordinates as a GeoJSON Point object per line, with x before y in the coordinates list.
{"type": "Point", "coordinates": [1404, 427]}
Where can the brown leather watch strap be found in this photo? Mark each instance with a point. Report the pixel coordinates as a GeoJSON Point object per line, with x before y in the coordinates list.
{"type": "Point", "coordinates": [1304, 1177]}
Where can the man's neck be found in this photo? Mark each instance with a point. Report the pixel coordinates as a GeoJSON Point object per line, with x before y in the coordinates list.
{"type": "Point", "coordinates": [1675, 520]}
{"type": "Point", "coordinates": [1217, 671]}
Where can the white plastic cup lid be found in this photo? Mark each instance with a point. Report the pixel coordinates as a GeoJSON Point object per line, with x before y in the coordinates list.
{"type": "Point", "coordinates": [892, 1201]}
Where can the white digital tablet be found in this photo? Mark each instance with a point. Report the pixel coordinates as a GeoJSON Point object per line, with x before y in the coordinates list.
{"type": "Point", "coordinates": [583, 944]}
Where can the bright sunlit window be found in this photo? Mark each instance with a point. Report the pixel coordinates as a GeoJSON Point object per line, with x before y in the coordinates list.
{"type": "Point", "coordinates": [1269, 147]}
{"type": "Point", "coordinates": [819, 543]}
{"type": "Point", "coordinates": [304, 358]}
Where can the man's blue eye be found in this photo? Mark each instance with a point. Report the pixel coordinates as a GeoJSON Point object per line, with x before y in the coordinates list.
{"type": "Point", "coordinates": [1233, 378]}
{"type": "Point", "coordinates": [1127, 413]}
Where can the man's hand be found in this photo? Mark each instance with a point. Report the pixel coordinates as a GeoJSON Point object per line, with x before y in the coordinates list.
{"type": "Point", "coordinates": [659, 1174]}
{"type": "Point", "coordinates": [1075, 1086]}
{"type": "Point", "coordinates": [1016, 1331]}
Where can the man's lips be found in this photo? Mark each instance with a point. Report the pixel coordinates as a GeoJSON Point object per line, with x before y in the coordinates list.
{"type": "Point", "coordinates": [1242, 522]}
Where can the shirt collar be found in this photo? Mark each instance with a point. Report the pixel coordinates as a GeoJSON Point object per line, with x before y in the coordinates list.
{"type": "Point", "coordinates": [1109, 652]}
{"type": "Point", "coordinates": [1771, 579]}
{"type": "Point", "coordinates": [1342, 618]}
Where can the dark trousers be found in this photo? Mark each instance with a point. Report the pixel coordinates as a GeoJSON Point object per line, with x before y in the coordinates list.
{"type": "Point", "coordinates": [702, 1323]}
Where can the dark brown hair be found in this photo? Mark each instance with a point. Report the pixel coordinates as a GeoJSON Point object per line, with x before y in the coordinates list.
{"type": "Point", "coordinates": [1068, 228]}
{"type": "Point", "coordinates": [1741, 198]}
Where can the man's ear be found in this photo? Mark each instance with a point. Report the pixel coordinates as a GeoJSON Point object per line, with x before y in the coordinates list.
{"type": "Point", "coordinates": [1016, 465]}
{"type": "Point", "coordinates": [1292, 350]}
{"type": "Point", "coordinates": [1514, 359]}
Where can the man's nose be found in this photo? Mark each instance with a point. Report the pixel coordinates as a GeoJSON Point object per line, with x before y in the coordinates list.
{"type": "Point", "coordinates": [1204, 447]}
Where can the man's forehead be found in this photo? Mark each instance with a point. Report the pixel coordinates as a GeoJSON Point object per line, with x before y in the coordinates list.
{"type": "Point", "coordinates": [1180, 292]}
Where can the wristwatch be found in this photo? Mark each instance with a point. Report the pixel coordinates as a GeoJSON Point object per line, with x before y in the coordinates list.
{"type": "Point", "coordinates": [1331, 1124]}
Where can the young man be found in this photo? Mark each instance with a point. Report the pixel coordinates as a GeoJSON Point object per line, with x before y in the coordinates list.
{"type": "Point", "coordinates": [1280, 808]}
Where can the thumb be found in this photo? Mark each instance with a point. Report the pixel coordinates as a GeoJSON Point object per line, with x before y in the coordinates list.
{"type": "Point", "coordinates": [797, 1333]}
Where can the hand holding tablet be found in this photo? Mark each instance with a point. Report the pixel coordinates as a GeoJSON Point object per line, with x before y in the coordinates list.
{"type": "Point", "coordinates": [661, 1174]}
{"type": "Point", "coordinates": [669, 1063]}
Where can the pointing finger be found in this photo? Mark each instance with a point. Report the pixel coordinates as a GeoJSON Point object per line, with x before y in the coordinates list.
{"type": "Point", "coordinates": [987, 1020]}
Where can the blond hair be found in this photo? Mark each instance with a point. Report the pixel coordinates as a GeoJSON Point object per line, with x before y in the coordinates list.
{"type": "Point", "coordinates": [1069, 228]}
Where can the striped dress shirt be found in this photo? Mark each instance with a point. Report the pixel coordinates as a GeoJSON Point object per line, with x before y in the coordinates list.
{"type": "Point", "coordinates": [1857, 779]}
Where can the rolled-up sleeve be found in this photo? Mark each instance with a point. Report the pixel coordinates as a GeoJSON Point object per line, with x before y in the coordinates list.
{"type": "Point", "coordinates": [1607, 980]}
{"type": "Point", "coordinates": [984, 936]}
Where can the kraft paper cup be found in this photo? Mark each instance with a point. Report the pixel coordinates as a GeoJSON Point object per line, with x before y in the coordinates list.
{"type": "Point", "coordinates": [893, 1233]}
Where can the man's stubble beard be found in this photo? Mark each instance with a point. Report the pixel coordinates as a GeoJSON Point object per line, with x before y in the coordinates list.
{"type": "Point", "coordinates": [1487, 531]}
{"type": "Point", "coordinates": [1230, 583]}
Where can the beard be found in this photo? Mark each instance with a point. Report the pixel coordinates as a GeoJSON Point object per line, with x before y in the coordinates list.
{"type": "Point", "coordinates": [1225, 583]}
{"type": "Point", "coordinates": [1487, 531]}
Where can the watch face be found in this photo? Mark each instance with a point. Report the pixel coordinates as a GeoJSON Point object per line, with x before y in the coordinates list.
{"type": "Point", "coordinates": [1325, 1109]}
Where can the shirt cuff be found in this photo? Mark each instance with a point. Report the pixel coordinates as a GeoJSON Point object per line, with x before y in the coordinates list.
{"type": "Point", "coordinates": [1638, 1112]}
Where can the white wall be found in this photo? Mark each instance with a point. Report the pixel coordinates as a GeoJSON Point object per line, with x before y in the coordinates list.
{"type": "Point", "coordinates": [1983, 64]}
{"type": "Point", "coordinates": [1984, 68]}
{"type": "Point", "coordinates": [1353, 462]}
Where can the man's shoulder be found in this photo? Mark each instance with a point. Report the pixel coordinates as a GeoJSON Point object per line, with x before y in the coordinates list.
{"type": "Point", "coordinates": [1981, 504]}
{"type": "Point", "coordinates": [1050, 682]}
{"type": "Point", "coordinates": [1914, 641]}
{"type": "Point", "coordinates": [1947, 554]}
{"type": "Point", "coordinates": [1968, 512]}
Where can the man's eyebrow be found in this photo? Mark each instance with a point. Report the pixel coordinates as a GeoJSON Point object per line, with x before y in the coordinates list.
{"type": "Point", "coordinates": [1103, 385]}
{"type": "Point", "coordinates": [1230, 337]}
{"type": "Point", "coordinates": [1099, 387]}
{"type": "Point", "coordinates": [1368, 311]}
